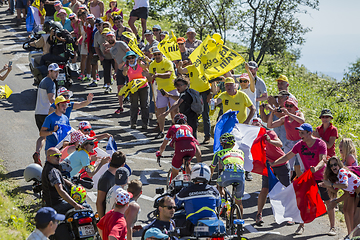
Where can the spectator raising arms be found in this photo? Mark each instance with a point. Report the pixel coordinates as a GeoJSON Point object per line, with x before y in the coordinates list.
{"type": "Point", "coordinates": [8, 68]}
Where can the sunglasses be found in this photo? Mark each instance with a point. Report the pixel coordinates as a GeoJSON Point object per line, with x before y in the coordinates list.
{"type": "Point", "coordinates": [157, 54]}
{"type": "Point", "coordinates": [181, 43]}
{"type": "Point", "coordinates": [243, 81]}
{"type": "Point", "coordinates": [132, 57]}
{"type": "Point", "coordinates": [72, 18]}
{"type": "Point", "coordinates": [156, 30]}
{"type": "Point", "coordinates": [87, 130]}
{"type": "Point", "coordinates": [289, 106]}
{"type": "Point", "coordinates": [333, 165]}
{"type": "Point", "coordinates": [91, 143]}
{"type": "Point", "coordinates": [58, 155]}
{"type": "Point", "coordinates": [325, 116]}
{"type": "Point", "coordinates": [66, 96]}
{"type": "Point", "coordinates": [170, 207]}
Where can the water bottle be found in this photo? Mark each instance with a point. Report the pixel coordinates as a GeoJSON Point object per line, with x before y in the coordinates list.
{"type": "Point", "coordinates": [212, 104]}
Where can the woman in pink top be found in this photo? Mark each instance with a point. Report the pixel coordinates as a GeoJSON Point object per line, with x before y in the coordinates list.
{"type": "Point", "coordinates": [336, 177]}
{"type": "Point", "coordinates": [293, 118]}
{"type": "Point", "coordinates": [133, 68]}
{"type": "Point", "coordinates": [97, 8]}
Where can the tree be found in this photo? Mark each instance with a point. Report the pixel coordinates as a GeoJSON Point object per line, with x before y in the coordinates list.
{"type": "Point", "coordinates": [271, 26]}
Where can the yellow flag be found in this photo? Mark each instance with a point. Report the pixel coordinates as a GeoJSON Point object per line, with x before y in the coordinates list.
{"type": "Point", "coordinates": [125, 90]}
{"type": "Point", "coordinates": [116, 13]}
{"type": "Point", "coordinates": [170, 48]}
{"type": "Point", "coordinates": [132, 86]}
{"type": "Point", "coordinates": [5, 91]}
{"type": "Point", "coordinates": [133, 43]}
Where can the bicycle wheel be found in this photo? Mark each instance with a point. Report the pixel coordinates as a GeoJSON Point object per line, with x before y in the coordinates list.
{"type": "Point", "coordinates": [235, 213]}
{"type": "Point", "coordinates": [168, 179]}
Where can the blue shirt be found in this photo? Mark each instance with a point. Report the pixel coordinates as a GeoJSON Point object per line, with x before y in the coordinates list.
{"type": "Point", "coordinates": [78, 160]}
{"type": "Point", "coordinates": [67, 25]}
{"type": "Point", "coordinates": [64, 126]}
{"type": "Point", "coordinates": [68, 109]}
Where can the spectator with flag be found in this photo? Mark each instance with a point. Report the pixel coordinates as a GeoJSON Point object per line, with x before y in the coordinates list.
{"type": "Point", "coordinates": [313, 153]}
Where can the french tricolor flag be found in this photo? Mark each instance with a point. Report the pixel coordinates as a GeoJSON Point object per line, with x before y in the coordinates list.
{"type": "Point", "coordinates": [249, 139]}
{"type": "Point", "coordinates": [299, 202]}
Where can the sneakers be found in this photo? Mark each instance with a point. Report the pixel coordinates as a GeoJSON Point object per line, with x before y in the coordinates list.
{"type": "Point", "coordinates": [144, 127]}
{"type": "Point", "coordinates": [332, 232]}
{"type": "Point", "coordinates": [290, 223]}
{"type": "Point", "coordinates": [93, 84]}
{"type": "Point", "coordinates": [300, 230]}
{"type": "Point", "coordinates": [160, 135]}
{"type": "Point", "coordinates": [36, 157]}
{"type": "Point", "coordinates": [248, 176]}
{"type": "Point", "coordinates": [133, 126]}
{"type": "Point", "coordinates": [206, 140]}
{"type": "Point", "coordinates": [86, 79]}
{"type": "Point", "coordinates": [259, 219]}
{"type": "Point", "coordinates": [108, 90]}
{"type": "Point", "coordinates": [119, 110]}
{"type": "Point", "coordinates": [97, 77]}
{"type": "Point", "coordinates": [80, 78]}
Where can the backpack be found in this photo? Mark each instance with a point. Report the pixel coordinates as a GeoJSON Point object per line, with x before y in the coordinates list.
{"type": "Point", "coordinates": [197, 104]}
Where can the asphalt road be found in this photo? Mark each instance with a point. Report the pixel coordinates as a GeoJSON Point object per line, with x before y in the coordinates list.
{"type": "Point", "coordinates": [19, 134]}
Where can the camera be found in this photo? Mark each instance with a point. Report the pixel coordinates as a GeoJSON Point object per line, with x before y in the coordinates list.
{"type": "Point", "coordinates": [278, 109]}
{"type": "Point", "coordinates": [159, 190]}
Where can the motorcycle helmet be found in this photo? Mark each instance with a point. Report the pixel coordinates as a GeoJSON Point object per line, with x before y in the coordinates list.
{"type": "Point", "coordinates": [200, 173]}
{"type": "Point", "coordinates": [180, 118]}
{"type": "Point", "coordinates": [78, 193]}
{"type": "Point", "coordinates": [47, 25]}
{"type": "Point", "coordinates": [227, 138]}
{"type": "Point", "coordinates": [33, 172]}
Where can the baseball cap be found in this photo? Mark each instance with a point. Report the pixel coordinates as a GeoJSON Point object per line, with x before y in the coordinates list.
{"type": "Point", "coordinates": [82, 6]}
{"type": "Point", "coordinates": [326, 112]}
{"type": "Point", "coordinates": [180, 40]}
{"type": "Point", "coordinates": [63, 90]}
{"type": "Point", "coordinates": [155, 233]}
{"type": "Point", "coordinates": [72, 15]}
{"type": "Point", "coordinates": [98, 21]}
{"type": "Point", "coordinates": [305, 127]}
{"type": "Point", "coordinates": [47, 214]}
{"type": "Point", "coordinates": [76, 136]}
{"type": "Point", "coordinates": [282, 93]}
{"type": "Point", "coordinates": [110, 34]}
{"type": "Point", "coordinates": [84, 125]}
{"type": "Point", "coordinates": [155, 50]}
{"type": "Point", "coordinates": [122, 196]}
{"type": "Point", "coordinates": [147, 31]}
{"type": "Point", "coordinates": [105, 31]}
{"type": "Point", "coordinates": [54, 67]}
{"type": "Point", "coordinates": [90, 16]}
{"type": "Point", "coordinates": [253, 64]}
{"type": "Point", "coordinates": [57, 3]}
{"type": "Point", "coordinates": [164, 33]}
{"type": "Point", "coordinates": [191, 30]}
{"type": "Point", "coordinates": [282, 78]}
{"type": "Point", "coordinates": [85, 138]}
{"type": "Point", "coordinates": [61, 11]}
{"type": "Point", "coordinates": [229, 80]}
{"type": "Point", "coordinates": [244, 76]}
{"type": "Point", "coordinates": [121, 176]}
{"type": "Point", "coordinates": [61, 99]}
{"type": "Point", "coordinates": [156, 27]}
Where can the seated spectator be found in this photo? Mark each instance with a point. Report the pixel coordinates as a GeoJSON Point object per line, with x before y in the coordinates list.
{"type": "Point", "coordinates": [72, 145]}
{"type": "Point", "coordinates": [131, 214]}
{"type": "Point", "coordinates": [121, 180]}
{"type": "Point", "coordinates": [192, 43]}
{"type": "Point", "coordinates": [58, 6]}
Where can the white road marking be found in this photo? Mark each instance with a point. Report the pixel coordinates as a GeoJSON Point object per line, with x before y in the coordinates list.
{"type": "Point", "coordinates": [250, 228]}
{"type": "Point", "coordinates": [92, 196]}
{"type": "Point", "coordinates": [145, 158]}
{"type": "Point", "coordinates": [246, 196]}
{"type": "Point", "coordinates": [12, 47]}
{"type": "Point", "coordinates": [151, 199]}
{"type": "Point", "coordinates": [24, 68]}
{"type": "Point", "coordinates": [18, 36]}
{"type": "Point", "coordinates": [147, 171]}
{"type": "Point", "coordinates": [18, 56]}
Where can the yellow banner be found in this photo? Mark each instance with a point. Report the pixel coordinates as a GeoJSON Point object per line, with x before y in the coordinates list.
{"type": "Point", "coordinates": [170, 48]}
{"type": "Point", "coordinates": [133, 43]}
{"type": "Point", "coordinates": [5, 91]}
{"type": "Point", "coordinates": [132, 86]}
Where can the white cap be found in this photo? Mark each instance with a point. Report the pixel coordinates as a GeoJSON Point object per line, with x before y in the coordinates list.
{"type": "Point", "coordinates": [191, 30]}
{"type": "Point", "coordinates": [54, 67]}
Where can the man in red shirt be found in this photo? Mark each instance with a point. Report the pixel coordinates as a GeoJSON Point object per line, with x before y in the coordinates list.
{"type": "Point", "coordinates": [113, 225]}
{"type": "Point", "coordinates": [282, 171]}
{"type": "Point", "coordinates": [327, 132]}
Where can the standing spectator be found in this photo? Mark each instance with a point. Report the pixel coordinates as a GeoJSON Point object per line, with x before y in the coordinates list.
{"type": "Point", "coordinates": [192, 43]}
{"type": "Point", "coordinates": [6, 67]}
{"type": "Point", "coordinates": [74, 6]}
{"type": "Point", "coordinates": [58, 6]}
{"type": "Point", "coordinates": [118, 21]}
{"type": "Point", "coordinates": [203, 87]}
{"type": "Point", "coordinates": [118, 50]}
{"type": "Point", "coordinates": [312, 152]}
{"type": "Point", "coordinates": [247, 84]}
{"type": "Point", "coordinates": [92, 58]}
{"type": "Point", "coordinates": [293, 118]}
{"type": "Point", "coordinates": [327, 132]}
{"type": "Point", "coordinates": [121, 180]}
{"type": "Point", "coordinates": [163, 34]}
{"type": "Point", "coordinates": [45, 97]}
{"type": "Point", "coordinates": [65, 22]}
{"type": "Point", "coordinates": [82, 14]}
{"type": "Point", "coordinates": [151, 43]}
{"type": "Point", "coordinates": [11, 9]}
{"type": "Point", "coordinates": [97, 8]}
{"type": "Point", "coordinates": [131, 214]}
{"type": "Point", "coordinates": [140, 11]}
{"type": "Point", "coordinates": [348, 152]}
{"type": "Point", "coordinates": [21, 6]}
{"type": "Point", "coordinates": [185, 52]}
{"type": "Point", "coordinates": [157, 30]}
{"type": "Point", "coordinates": [113, 225]}
{"type": "Point", "coordinates": [162, 70]}
{"type": "Point", "coordinates": [133, 69]}
{"type": "Point", "coordinates": [260, 87]}
{"type": "Point", "coordinates": [237, 101]}
{"type": "Point", "coordinates": [46, 222]}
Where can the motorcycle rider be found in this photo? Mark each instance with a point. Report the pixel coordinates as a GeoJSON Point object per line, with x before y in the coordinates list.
{"type": "Point", "coordinates": [55, 190]}
{"type": "Point", "coordinates": [199, 199]}
{"type": "Point", "coordinates": [42, 42]}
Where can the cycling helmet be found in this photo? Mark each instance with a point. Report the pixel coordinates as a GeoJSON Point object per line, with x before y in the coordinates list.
{"type": "Point", "coordinates": [47, 25]}
{"type": "Point", "coordinates": [180, 118]}
{"type": "Point", "coordinates": [200, 172]}
{"type": "Point", "coordinates": [33, 172]}
{"type": "Point", "coordinates": [78, 193]}
{"type": "Point", "coordinates": [227, 138]}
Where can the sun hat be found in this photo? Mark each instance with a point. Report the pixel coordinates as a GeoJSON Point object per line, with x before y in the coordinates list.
{"type": "Point", "coordinates": [191, 30]}
{"type": "Point", "coordinates": [63, 90]}
{"type": "Point", "coordinates": [54, 67]}
{"type": "Point", "coordinates": [105, 31]}
{"type": "Point", "coordinates": [293, 102]}
{"type": "Point", "coordinates": [129, 53]}
{"type": "Point", "coordinates": [253, 64]}
{"type": "Point", "coordinates": [61, 11]}
{"type": "Point", "coordinates": [85, 139]}
{"type": "Point", "coordinates": [180, 40]}
{"type": "Point", "coordinates": [326, 112]}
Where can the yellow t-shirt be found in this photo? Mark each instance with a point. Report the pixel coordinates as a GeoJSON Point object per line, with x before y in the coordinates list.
{"type": "Point", "coordinates": [238, 102]}
{"type": "Point", "coordinates": [196, 83]}
{"type": "Point", "coordinates": [162, 67]}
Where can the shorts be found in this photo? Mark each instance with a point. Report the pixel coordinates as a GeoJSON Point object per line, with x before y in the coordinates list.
{"type": "Point", "coordinates": [323, 192]}
{"type": "Point", "coordinates": [182, 149]}
{"type": "Point", "coordinates": [226, 178]}
{"type": "Point", "coordinates": [40, 119]}
{"type": "Point", "coordinates": [21, 4]}
{"type": "Point", "coordinates": [162, 101]}
{"type": "Point", "coordinates": [94, 60]}
{"type": "Point", "coordinates": [120, 78]}
{"type": "Point", "coordinates": [142, 12]}
{"type": "Point", "coordinates": [83, 49]}
{"type": "Point", "coordinates": [282, 173]}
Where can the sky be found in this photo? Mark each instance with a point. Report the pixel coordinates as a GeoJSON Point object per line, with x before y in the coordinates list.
{"type": "Point", "coordinates": [333, 43]}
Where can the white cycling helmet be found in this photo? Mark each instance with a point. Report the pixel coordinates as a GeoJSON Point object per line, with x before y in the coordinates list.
{"type": "Point", "coordinates": [33, 172]}
{"type": "Point", "coordinates": [200, 172]}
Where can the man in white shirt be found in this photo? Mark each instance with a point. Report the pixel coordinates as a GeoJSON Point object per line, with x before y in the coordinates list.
{"type": "Point", "coordinates": [121, 180]}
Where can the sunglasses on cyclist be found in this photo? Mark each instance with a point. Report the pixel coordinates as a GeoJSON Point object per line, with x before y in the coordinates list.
{"type": "Point", "coordinates": [58, 155]}
{"type": "Point", "coordinates": [333, 165]}
{"type": "Point", "coordinates": [289, 106]}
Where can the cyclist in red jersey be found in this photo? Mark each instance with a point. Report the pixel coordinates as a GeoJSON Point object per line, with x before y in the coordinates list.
{"type": "Point", "coordinates": [182, 140]}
